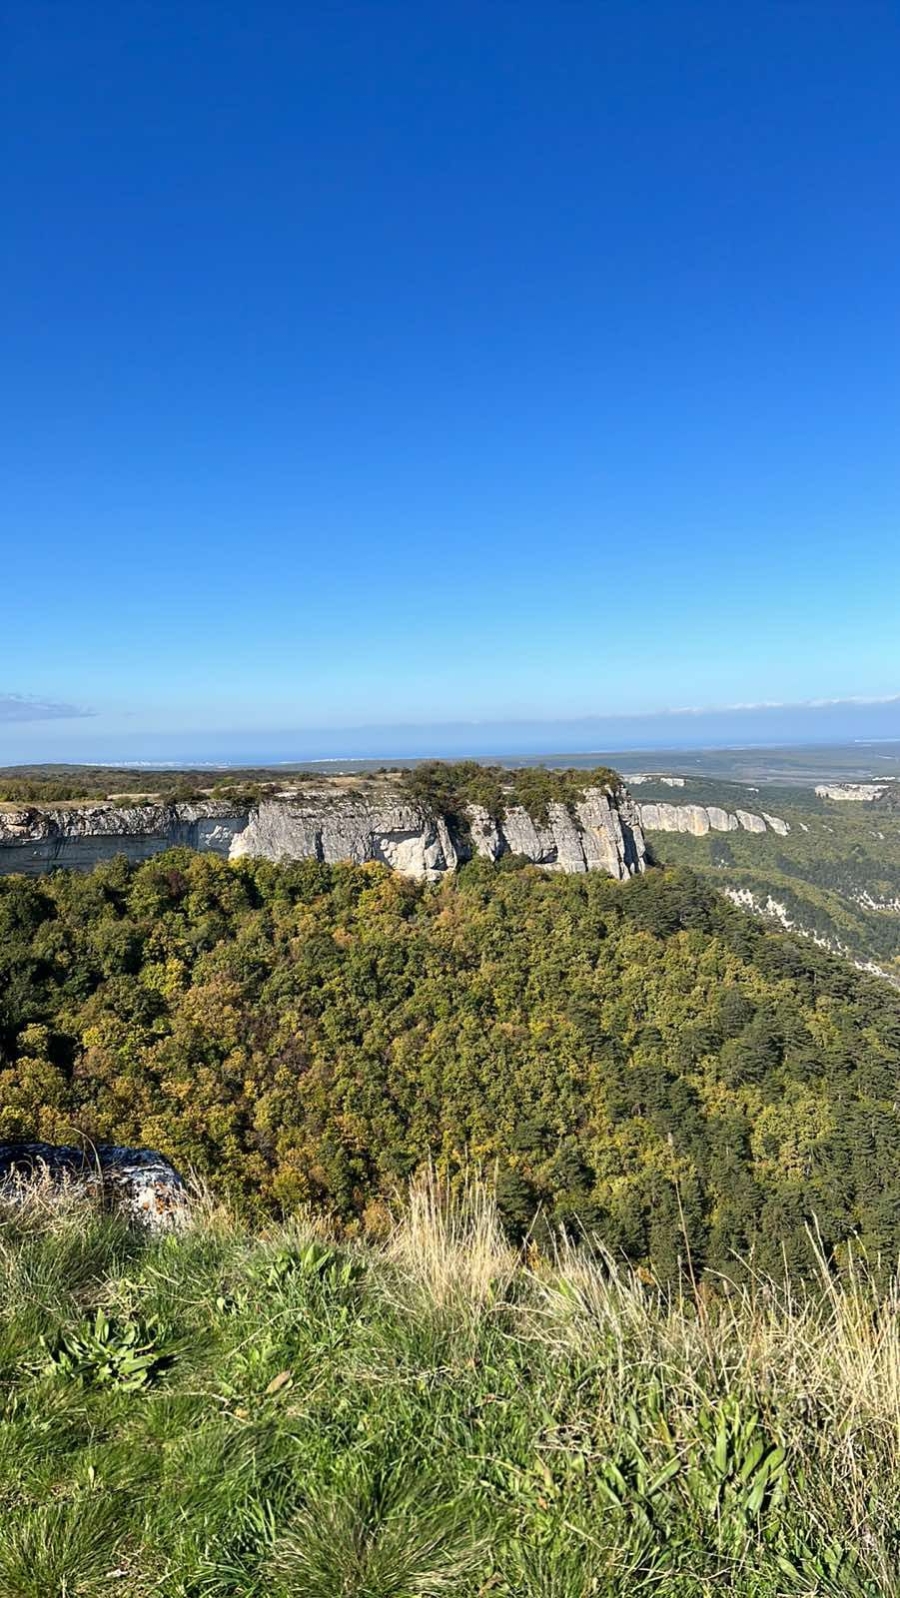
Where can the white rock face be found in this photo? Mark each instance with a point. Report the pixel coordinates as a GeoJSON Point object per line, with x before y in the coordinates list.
{"type": "Point", "coordinates": [638, 777]}
{"type": "Point", "coordinates": [701, 819]}
{"type": "Point", "coordinates": [777, 824]}
{"type": "Point", "coordinates": [110, 821]}
{"type": "Point", "coordinates": [676, 818]}
{"type": "Point", "coordinates": [346, 828]}
{"type": "Point", "coordinates": [523, 835]}
{"type": "Point", "coordinates": [34, 840]}
{"type": "Point", "coordinates": [603, 834]}
{"type": "Point", "coordinates": [611, 834]}
{"type": "Point", "coordinates": [862, 792]}
{"type": "Point", "coordinates": [749, 822]}
{"type": "Point", "coordinates": [486, 837]}
{"type": "Point", "coordinates": [721, 820]}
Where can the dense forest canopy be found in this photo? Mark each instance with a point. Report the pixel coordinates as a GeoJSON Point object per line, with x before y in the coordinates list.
{"type": "Point", "coordinates": [447, 788]}
{"type": "Point", "coordinates": [639, 1058]}
{"type": "Point", "coordinates": [91, 784]}
{"type": "Point", "coordinates": [836, 875]}
{"type": "Point", "coordinates": [437, 786]}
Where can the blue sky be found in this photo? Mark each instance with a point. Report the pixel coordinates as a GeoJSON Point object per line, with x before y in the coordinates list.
{"type": "Point", "coordinates": [388, 364]}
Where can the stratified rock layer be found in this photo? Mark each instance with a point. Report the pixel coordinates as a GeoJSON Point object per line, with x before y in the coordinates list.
{"type": "Point", "coordinates": [34, 840]}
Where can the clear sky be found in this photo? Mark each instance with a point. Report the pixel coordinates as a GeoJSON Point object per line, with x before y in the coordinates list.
{"type": "Point", "coordinates": [392, 363]}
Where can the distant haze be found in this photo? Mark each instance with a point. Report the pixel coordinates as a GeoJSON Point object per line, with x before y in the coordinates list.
{"type": "Point", "coordinates": [87, 739]}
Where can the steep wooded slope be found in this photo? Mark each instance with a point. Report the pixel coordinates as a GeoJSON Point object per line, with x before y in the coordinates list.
{"type": "Point", "coordinates": [640, 1057]}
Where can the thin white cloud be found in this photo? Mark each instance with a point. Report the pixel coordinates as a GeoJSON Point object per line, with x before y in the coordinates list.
{"type": "Point", "coordinates": [24, 707]}
{"type": "Point", "coordinates": [854, 699]}
{"type": "Point", "coordinates": [760, 704]}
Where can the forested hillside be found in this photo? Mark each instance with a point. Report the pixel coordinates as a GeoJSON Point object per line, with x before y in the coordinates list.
{"type": "Point", "coordinates": [835, 876]}
{"type": "Point", "coordinates": [640, 1058]}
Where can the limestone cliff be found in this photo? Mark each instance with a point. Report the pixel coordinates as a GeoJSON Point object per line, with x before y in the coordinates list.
{"type": "Point", "coordinates": [701, 819]}
{"type": "Point", "coordinates": [861, 792]}
{"type": "Point", "coordinates": [34, 840]}
{"type": "Point", "coordinates": [32, 824]}
{"type": "Point", "coordinates": [602, 832]}
{"type": "Point", "coordinates": [349, 827]}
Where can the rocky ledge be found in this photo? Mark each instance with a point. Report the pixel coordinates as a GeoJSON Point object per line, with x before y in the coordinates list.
{"type": "Point", "coordinates": [34, 840]}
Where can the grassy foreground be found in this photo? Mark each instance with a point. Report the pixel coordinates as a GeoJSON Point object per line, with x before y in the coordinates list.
{"type": "Point", "coordinates": [227, 1413]}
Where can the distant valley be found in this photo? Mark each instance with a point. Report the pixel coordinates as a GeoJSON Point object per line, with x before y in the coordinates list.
{"type": "Point", "coordinates": [831, 870]}
{"type": "Point", "coordinates": [819, 856]}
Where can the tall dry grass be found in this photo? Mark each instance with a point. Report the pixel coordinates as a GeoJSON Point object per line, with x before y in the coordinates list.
{"type": "Point", "coordinates": [440, 1411]}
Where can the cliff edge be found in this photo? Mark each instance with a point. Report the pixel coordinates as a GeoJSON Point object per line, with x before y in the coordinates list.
{"type": "Point", "coordinates": [599, 832]}
{"type": "Point", "coordinates": [597, 828]}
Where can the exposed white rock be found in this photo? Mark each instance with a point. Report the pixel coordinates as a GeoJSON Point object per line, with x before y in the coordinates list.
{"type": "Point", "coordinates": [487, 840]}
{"type": "Point", "coordinates": [862, 792]}
{"type": "Point", "coordinates": [612, 836]}
{"type": "Point", "coordinates": [721, 820]}
{"type": "Point", "coordinates": [750, 822]}
{"type": "Point", "coordinates": [701, 819]}
{"type": "Point", "coordinates": [651, 776]}
{"type": "Point", "coordinates": [868, 901]}
{"type": "Point", "coordinates": [676, 818]}
{"type": "Point", "coordinates": [602, 832]}
{"type": "Point", "coordinates": [774, 910]}
{"type": "Point", "coordinates": [343, 827]}
{"type": "Point", "coordinates": [524, 835]}
{"type": "Point", "coordinates": [139, 1183]}
{"type": "Point", "coordinates": [102, 821]}
{"type": "Point", "coordinates": [777, 824]}
{"type": "Point", "coordinates": [568, 838]}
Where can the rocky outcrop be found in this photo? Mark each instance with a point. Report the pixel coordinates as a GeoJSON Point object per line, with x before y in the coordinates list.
{"type": "Point", "coordinates": [862, 792]}
{"type": "Point", "coordinates": [750, 822]}
{"type": "Point", "coordinates": [349, 828]}
{"type": "Point", "coordinates": [635, 778]}
{"type": "Point", "coordinates": [210, 819]}
{"type": "Point", "coordinates": [777, 824]}
{"type": "Point", "coordinates": [34, 840]}
{"type": "Point", "coordinates": [602, 832]}
{"type": "Point", "coordinates": [772, 909]}
{"type": "Point", "coordinates": [138, 1183]}
{"type": "Point", "coordinates": [701, 819]}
